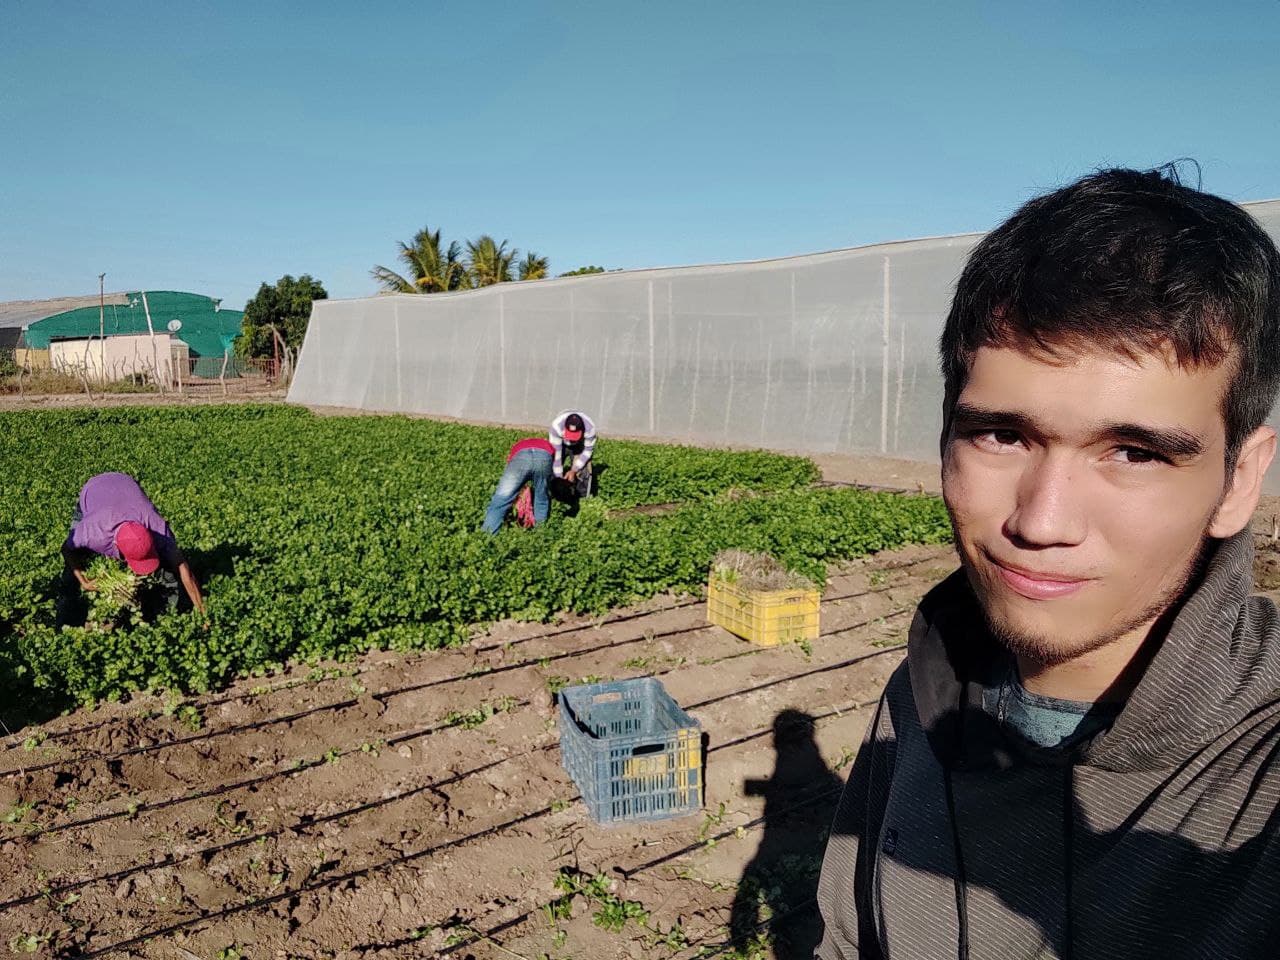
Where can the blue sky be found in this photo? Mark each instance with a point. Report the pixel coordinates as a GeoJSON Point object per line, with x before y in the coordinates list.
{"type": "Point", "coordinates": [210, 146]}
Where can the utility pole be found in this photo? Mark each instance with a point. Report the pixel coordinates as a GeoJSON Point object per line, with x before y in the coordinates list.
{"type": "Point", "coordinates": [102, 329]}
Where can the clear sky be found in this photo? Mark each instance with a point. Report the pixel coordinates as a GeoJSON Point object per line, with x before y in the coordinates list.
{"type": "Point", "coordinates": [209, 146]}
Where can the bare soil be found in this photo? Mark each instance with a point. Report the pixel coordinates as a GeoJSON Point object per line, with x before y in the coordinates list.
{"type": "Point", "coordinates": [204, 394]}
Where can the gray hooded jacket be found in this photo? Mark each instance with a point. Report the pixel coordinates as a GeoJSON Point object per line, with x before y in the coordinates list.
{"type": "Point", "coordinates": [956, 838]}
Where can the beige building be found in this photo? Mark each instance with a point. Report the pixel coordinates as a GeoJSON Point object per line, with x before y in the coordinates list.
{"type": "Point", "coordinates": [160, 357]}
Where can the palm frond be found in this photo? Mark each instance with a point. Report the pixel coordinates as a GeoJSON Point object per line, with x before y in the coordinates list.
{"type": "Point", "coordinates": [534, 267]}
{"type": "Point", "coordinates": [391, 281]}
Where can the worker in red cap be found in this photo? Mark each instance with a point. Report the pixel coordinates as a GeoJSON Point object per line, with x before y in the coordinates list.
{"type": "Point", "coordinates": [573, 436]}
{"type": "Point", "coordinates": [114, 518]}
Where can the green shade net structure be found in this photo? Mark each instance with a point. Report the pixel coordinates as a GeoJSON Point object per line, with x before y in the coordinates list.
{"type": "Point", "coordinates": [205, 328]}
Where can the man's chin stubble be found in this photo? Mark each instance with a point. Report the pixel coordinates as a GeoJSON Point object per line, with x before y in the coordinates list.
{"type": "Point", "coordinates": [1055, 651]}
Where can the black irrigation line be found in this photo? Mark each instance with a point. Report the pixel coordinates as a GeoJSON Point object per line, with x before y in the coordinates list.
{"type": "Point", "coordinates": [342, 704]}
{"type": "Point", "coordinates": [592, 625]}
{"type": "Point", "coordinates": [278, 774]}
{"type": "Point", "coordinates": [13, 742]}
{"type": "Point", "coordinates": [680, 605]}
{"type": "Point", "coordinates": [170, 860]}
{"type": "Point", "coordinates": [704, 949]}
{"type": "Point", "coordinates": [725, 834]}
{"type": "Point", "coordinates": [309, 887]}
{"type": "Point", "coordinates": [350, 811]}
{"type": "Point", "coordinates": [816, 670]}
{"type": "Point", "coordinates": [382, 697]}
{"type": "Point", "coordinates": [391, 741]}
{"type": "Point", "coordinates": [305, 822]}
{"type": "Point", "coordinates": [915, 491]}
{"type": "Point", "coordinates": [488, 935]}
{"type": "Point", "coordinates": [627, 874]}
{"type": "Point", "coordinates": [427, 731]}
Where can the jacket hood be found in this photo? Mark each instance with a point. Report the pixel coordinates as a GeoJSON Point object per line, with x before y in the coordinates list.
{"type": "Point", "coordinates": [1218, 662]}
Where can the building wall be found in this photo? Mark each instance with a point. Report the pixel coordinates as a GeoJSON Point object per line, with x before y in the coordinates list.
{"type": "Point", "coordinates": [117, 358]}
{"type": "Point", "coordinates": [29, 359]}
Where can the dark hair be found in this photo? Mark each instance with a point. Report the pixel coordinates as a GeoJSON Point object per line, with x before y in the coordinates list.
{"type": "Point", "coordinates": [1132, 261]}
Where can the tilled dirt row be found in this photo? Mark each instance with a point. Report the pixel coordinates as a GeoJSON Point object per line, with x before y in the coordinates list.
{"type": "Point", "coordinates": [416, 804]}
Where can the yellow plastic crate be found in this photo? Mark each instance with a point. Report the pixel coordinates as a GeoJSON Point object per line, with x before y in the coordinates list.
{"type": "Point", "coordinates": [766, 617]}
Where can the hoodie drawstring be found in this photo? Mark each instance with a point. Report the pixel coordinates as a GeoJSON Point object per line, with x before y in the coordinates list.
{"type": "Point", "coordinates": [962, 893]}
{"type": "Point", "coordinates": [1068, 842]}
{"type": "Point", "coordinates": [961, 887]}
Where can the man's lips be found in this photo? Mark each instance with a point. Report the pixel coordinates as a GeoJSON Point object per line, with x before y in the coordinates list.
{"type": "Point", "coordinates": [1037, 585]}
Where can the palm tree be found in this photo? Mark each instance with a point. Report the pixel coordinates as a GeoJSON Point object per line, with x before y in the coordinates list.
{"type": "Point", "coordinates": [430, 270]}
{"type": "Point", "coordinates": [489, 262]}
{"type": "Point", "coordinates": [534, 267]}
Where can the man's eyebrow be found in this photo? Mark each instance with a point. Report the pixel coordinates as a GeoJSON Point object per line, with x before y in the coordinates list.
{"type": "Point", "coordinates": [980, 418]}
{"type": "Point", "coordinates": [1170, 442]}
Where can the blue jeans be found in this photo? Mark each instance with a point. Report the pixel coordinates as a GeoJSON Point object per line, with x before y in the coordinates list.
{"type": "Point", "coordinates": [527, 466]}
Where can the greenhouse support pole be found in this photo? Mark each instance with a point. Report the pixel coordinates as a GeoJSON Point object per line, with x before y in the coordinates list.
{"type": "Point", "coordinates": [395, 315]}
{"type": "Point", "coordinates": [652, 418]}
{"type": "Point", "coordinates": [155, 354]}
{"type": "Point", "coordinates": [884, 367]}
{"type": "Point", "coordinates": [502, 354]}
{"type": "Point", "coordinates": [102, 327]}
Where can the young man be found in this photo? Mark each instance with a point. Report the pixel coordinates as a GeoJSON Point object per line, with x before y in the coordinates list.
{"type": "Point", "coordinates": [528, 461]}
{"type": "Point", "coordinates": [1081, 756]}
{"type": "Point", "coordinates": [573, 436]}
{"type": "Point", "coordinates": [115, 519]}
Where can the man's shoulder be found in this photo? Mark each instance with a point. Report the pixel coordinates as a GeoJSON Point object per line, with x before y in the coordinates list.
{"type": "Point", "coordinates": [896, 707]}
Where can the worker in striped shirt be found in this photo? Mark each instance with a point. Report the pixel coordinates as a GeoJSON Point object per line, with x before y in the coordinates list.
{"type": "Point", "coordinates": [573, 436]}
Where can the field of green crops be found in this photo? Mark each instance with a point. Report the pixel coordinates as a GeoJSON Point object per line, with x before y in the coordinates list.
{"type": "Point", "coordinates": [321, 537]}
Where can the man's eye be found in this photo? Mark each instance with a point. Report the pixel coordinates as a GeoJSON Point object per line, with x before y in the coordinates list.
{"type": "Point", "coordinates": [995, 439]}
{"type": "Point", "coordinates": [1138, 455]}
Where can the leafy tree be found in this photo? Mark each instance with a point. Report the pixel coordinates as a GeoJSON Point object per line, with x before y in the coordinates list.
{"type": "Point", "coordinates": [489, 262]}
{"type": "Point", "coordinates": [287, 305]}
{"type": "Point", "coordinates": [581, 270]}
{"type": "Point", "coordinates": [534, 267]}
{"type": "Point", "coordinates": [430, 269]}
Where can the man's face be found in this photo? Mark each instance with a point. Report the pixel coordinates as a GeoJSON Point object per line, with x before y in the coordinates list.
{"type": "Point", "coordinates": [1081, 490]}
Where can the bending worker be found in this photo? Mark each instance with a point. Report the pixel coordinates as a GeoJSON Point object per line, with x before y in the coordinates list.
{"type": "Point", "coordinates": [114, 518]}
{"type": "Point", "coordinates": [573, 437]}
{"type": "Point", "coordinates": [529, 461]}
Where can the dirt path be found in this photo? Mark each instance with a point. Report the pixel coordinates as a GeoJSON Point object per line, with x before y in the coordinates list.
{"type": "Point", "coordinates": [381, 809]}
{"type": "Point", "coordinates": [68, 401]}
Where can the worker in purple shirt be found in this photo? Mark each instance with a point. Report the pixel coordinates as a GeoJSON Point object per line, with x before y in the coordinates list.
{"type": "Point", "coordinates": [114, 518]}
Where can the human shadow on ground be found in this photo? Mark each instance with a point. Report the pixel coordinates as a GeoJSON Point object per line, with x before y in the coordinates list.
{"type": "Point", "coordinates": [781, 880]}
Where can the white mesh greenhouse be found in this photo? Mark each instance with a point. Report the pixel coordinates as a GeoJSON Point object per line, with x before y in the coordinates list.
{"type": "Point", "coordinates": [831, 352]}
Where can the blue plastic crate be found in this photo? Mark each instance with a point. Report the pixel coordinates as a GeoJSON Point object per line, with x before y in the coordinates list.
{"type": "Point", "coordinates": [634, 754]}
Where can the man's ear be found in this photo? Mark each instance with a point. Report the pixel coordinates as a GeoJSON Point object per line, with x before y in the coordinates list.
{"type": "Point", "coordinates": [1244, 485]}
